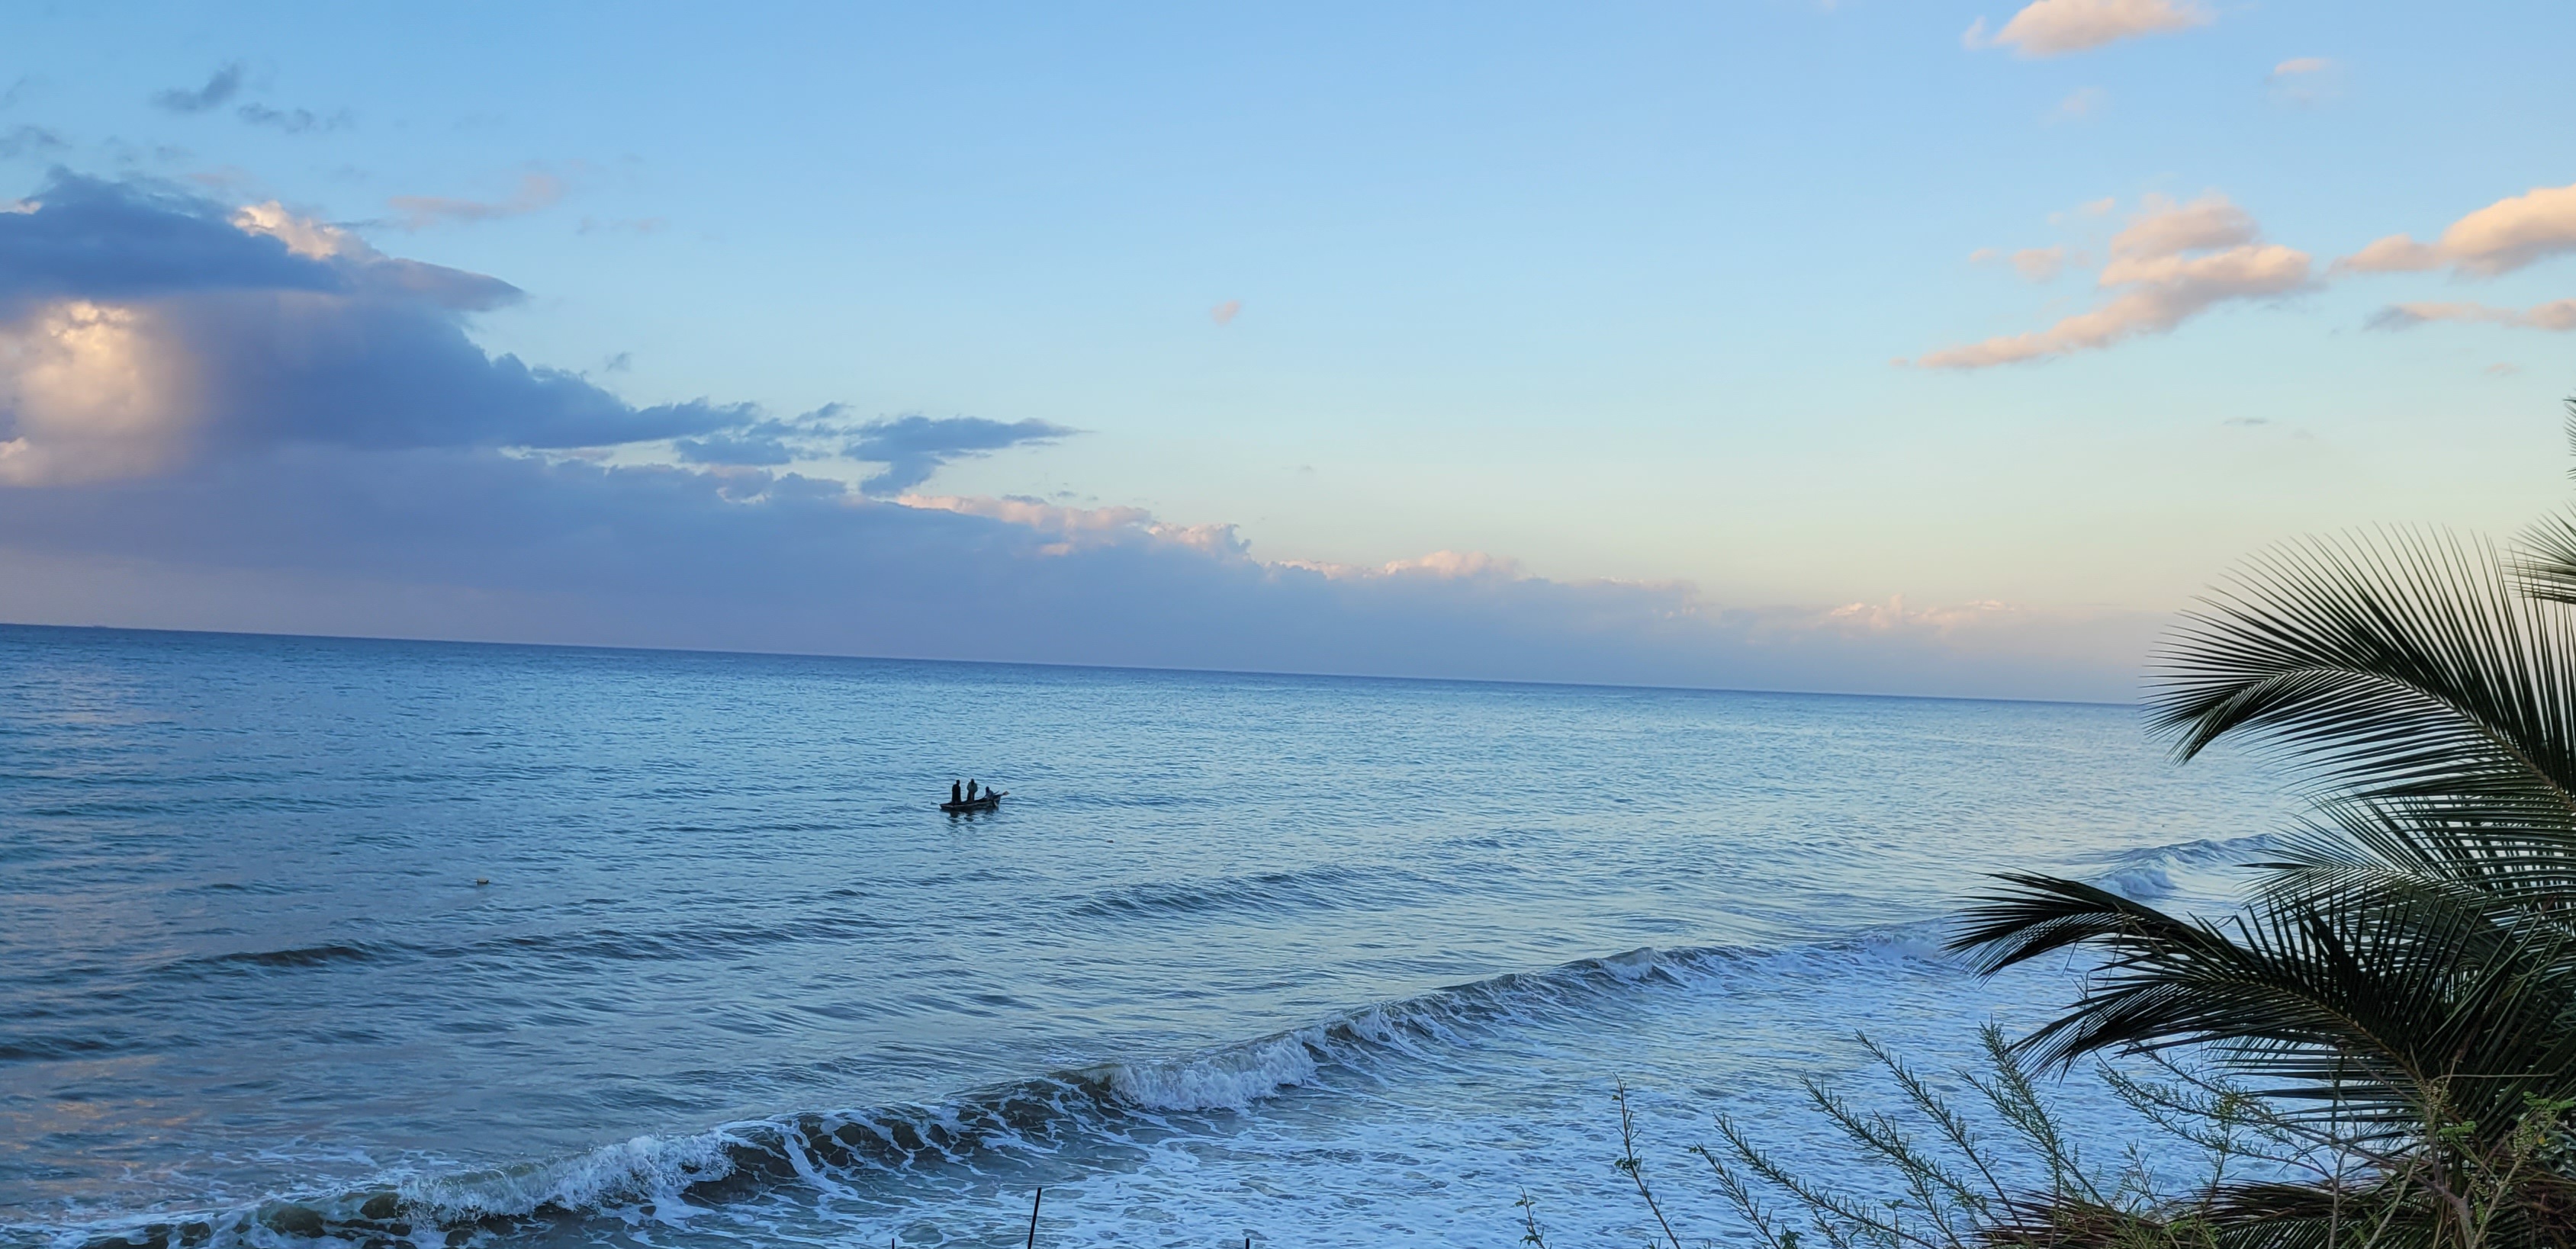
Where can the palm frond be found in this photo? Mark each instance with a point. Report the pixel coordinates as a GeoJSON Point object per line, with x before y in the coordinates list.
{"type": "Point", "coordinates": [2401, 666]}
{"type": "Point", "coordinates": [2382, 851]}
{"type": "Point", "coordinates": [2369, 1009]}
{"type": "Point", "coordinates": [2546, 565]}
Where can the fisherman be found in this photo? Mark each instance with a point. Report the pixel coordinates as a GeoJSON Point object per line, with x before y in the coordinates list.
{"type": "Point", "coordinates": [956, 792]}
{"type": "Point", "coordinates": [970, 790]}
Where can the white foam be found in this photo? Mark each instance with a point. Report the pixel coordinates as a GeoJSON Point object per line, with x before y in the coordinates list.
{"type": "Point", "coordinates": [655, 1170]}
{"type": "Point", "coordinates": [1226, 1079]}
{"type": "Point", "coordinates": [2139, 884]}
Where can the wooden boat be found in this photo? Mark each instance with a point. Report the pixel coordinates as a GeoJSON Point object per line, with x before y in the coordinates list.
{"type": "Point", "coordinates": [990, 800]}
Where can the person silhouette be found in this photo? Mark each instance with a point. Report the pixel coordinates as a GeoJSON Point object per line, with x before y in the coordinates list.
{"type": "Point", "coordinates": [970, 789]}
{"type": "Point", "coordinates": [956, 792]}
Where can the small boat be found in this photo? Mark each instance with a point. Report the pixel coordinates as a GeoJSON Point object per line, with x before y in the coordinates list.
{"type": "Point", "coordinates": [991, 799]}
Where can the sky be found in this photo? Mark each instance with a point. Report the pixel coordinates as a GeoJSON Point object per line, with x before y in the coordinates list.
{"type": "Point", "coordinates": [1922, 347]}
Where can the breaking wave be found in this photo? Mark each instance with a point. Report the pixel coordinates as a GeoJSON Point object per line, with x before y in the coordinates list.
{"type": "Point", "coordinates": [1099, 1113]}
{"type": "Point", "coordinates": [1091, 1118]}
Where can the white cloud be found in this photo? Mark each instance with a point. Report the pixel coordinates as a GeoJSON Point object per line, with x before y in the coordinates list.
{"type": "Point", "coordinates": [1224, 313]}
{"type": "Point", "coordinates": [1437, 566]}
{"type": "Point", "coordinates": [2057, 27]}
{"type": "Point", "coordinates": [2499, 238]}
{"type": "Point", "coordinates": [1091, 528]}
{"type": "Point", "coordinates": [1083, 528]}
{"type": "Point", "coordinates": [1894, 615]}
{"type": "Point", "coordinates": [2299, 65]}
{"type": "Point", "coordinates": [303, 236]}
{"type": "Point", "coordinates": [2172, 262]}
{"type": "Point", "coordinates": [2558, 315]}
{"type": "Point", "coordinates": [2165, 228]}
{"type": "Point", "coordinates": [94, 392]}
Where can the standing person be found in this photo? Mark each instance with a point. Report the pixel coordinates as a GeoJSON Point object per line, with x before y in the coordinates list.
{"type": "Point", "coordinates": [970, 789]}
{"type": "Point", "coordinates": [956, 792]}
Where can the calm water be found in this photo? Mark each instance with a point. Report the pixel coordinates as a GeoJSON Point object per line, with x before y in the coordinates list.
{"type": "Point", "coordinates": [1318, 961]}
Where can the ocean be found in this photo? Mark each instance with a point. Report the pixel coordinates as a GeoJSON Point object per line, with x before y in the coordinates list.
{"type": "Point", "coordinates": [329, 942]}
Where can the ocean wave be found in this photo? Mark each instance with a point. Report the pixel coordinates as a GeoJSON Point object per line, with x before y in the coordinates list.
{"type": "Point", "coordinates": [2200, 852]}
{"type": "Point", "coordinates": [1323, 887]}
{"type": "Point", "coordinates": [1104, 1110]}
{"type": "Point", "coordinates": [293, 956]}
{"type": "Point", "coordinates": [1099, 1113]}
{"type": "Point", "coordinates": [2203, 868]}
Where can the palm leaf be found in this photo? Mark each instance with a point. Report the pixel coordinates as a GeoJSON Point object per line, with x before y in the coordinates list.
{"type": "Point", "coordinates": [2365, 851]}
{"type": "Point", "coordinates": [2547, 569]}
{"type": "Point", "coordinates": [2372, 1010]}
{"type": "Point", "coordinates": [2401, 666]}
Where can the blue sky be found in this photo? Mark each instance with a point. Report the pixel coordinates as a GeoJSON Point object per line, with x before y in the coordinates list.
{"type": "Point", "coordinates": [1605, 297]}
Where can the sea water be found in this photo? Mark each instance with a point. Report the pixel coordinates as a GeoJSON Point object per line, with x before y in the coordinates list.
{"type": "Point", "coordinates": [316, 942]}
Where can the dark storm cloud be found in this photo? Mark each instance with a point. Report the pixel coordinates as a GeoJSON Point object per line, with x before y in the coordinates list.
{"type": "Point", "coordinates": [223, 85]}
{"type": "Point", "coordinates": [914, 447]}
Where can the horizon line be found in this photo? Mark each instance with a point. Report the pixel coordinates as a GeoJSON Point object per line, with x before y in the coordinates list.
{"type": "Point", "coordinates": [1027, 663]}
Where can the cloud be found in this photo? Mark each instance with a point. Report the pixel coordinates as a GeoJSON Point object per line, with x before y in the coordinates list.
{"type": "Point", "coordinates": [2171, 263]}
{"type": "Point", "coordinates": [1077, 529]}
{"type": "Point", "coordinates": [141, 327]}
{"type": "Point", "coordinates": [914, 447]}
{"type": "Point", "coordinates": [1438, 565]}
{"type": "Point", "coordinates": [462, 543]}
{"type": "Point", "coordinates": [2558, 315]}
{"type": "Point", "coordinates": [2499, 238]}
{"type": "Point", "coordinates": [2164, 228]}
{"type": "Point", "coordinates": [2057, 27]}
{"type": "Point", "coordinates": [748, 450]}
{"type": "Point", "coordinates": [222, 86]}
{"type": "Point", "coordinates": [97, 240]}
{"type": "Point", "coordinates": [2034, 264]}
{"type": "Point", "coordinates": [2302, 80]}
{"type": "Point", "coordinates": [769, 443]}
{"type": "Point", "coordinates": [536, 191]}
{"type": "Point", "coordinates": [292, 120]}
{"type": "Point", "coordinates": [20, 141]}
{"type": "Point", "coordinates": [239, 417]}
{"type": "Point", "coordinates": [1224, 313]}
